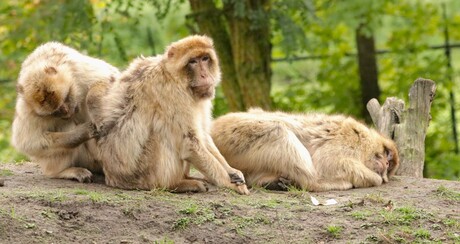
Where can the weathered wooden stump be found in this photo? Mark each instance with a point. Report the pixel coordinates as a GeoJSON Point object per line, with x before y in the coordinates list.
{"type": "Point", "coordinates": [407, 127]}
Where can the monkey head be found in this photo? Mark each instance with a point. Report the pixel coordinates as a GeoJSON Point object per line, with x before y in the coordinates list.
{"type": "Point", "coordinates": [49, 92]}
{"type": "Point", "coordinates": [385, 160]}
{"type": "Point", "coordinates": [193, 62]}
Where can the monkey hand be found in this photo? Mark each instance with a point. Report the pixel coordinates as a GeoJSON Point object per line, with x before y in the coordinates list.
{"type": "Point", "coordinates": [237, 182]}
{"type": "Point", "coordinates": [93, 131]}
{"type": "Point", "coordinates": [241, 188]}
{"type": "Point", "coordinates": [236, 178]}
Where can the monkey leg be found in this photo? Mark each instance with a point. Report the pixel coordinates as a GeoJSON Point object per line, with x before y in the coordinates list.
{"type": "Point", "coordinates": [62, 168]}
{"type": "Point", "coordinates": [278, 153]}
{"type": "Point", "coordinates": [275, 183]}
{"type": "Point", "coordinates": [187, 185]}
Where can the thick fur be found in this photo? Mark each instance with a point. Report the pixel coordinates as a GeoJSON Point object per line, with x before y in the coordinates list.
{"type": "Point", "coordinates": [316, 152]}
{"type": "Point", "coordinates": [51, 125]}
{"type": "Point", "coordinates": [156, 118]}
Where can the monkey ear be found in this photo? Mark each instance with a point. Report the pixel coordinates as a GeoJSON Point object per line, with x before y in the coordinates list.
{"type": "Point", "coordinates": [50, 70]}
{"type": "Point", "coordinates": [19, 89]}
{"type": "Point", "coordinates": [171, 51]}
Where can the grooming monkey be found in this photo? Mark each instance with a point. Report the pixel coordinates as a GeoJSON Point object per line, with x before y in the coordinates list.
{"type": "Point", "coordinates": [51, 124]}
{"type": "Point", "coordinates": [156, 120]}
{"type": "Point", "coordinates": [316, 152]}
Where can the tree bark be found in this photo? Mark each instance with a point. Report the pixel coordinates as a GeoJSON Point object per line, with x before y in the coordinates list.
{"type": "Point", "coordinates": [210, 22]}
{"type": "Point", "coordinates": [368, 72]}
{"type": "Point", "coordinates": [251, 49]}
{"type": "Point", "coordinates": [407, 127]}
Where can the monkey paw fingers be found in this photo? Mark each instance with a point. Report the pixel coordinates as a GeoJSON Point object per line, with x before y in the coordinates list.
{"type": "Point", "coordinates": [241, 189]}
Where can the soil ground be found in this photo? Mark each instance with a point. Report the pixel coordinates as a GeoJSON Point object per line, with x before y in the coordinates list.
{"type": "Point", "coordinates": [34, 209]}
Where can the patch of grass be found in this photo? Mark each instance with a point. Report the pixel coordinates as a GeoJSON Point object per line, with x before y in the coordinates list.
{"type": "Point", "coordinates": [6, 172]}
{"type": "Point", "coordinates": [191, 209]}
{"type": "Point", "coordinates": [198, 214]}
{"type": "Point", "coordinates": [181, 223]}
{"type": "Point", "coordinates": [51, 196]}
{"type": "Point", "coordinates": [81, 192]}
{"type": "Point", "coordinates": [165, 240]}
{"type": "Point", "coordinates": [96, 197]}
{"type": "Point", "coordinates": [375, 198]}
{"type": "Point", "coordinates": [334, 230]}
{"type": "Point", "coordinates": [297, 192]}
{"type": "Point", "coordinates": [241, 222]}
{"type": "Point", "coordinates": [361, 215]}
{"type": "Point", "coordinates": [455, 237]}
{"type": "Point", "coordinates": [444, 192]}
{"type": "Point", "coordinates": [451, 223]}
{"type": "Point", "coordinates": [403, 216]}
{"type": "Point", "coordinates": [29, 226]}
{"type": "Point", "coordinates": [47, 214]}
{"type": "Point", "coordinates": [422, 234]}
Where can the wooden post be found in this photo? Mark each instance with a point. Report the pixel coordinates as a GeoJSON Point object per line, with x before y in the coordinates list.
{"type": "Point", "coordinates": [407, 127]}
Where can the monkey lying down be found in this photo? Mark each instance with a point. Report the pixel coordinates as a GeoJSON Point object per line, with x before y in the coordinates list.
{"type": "Point", "coordinates": [315, 152]}
{"type": "Point", "coordinates": [156, 118]}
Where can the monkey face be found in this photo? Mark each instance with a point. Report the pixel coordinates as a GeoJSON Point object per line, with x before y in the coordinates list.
{"type": "Point", "coordinates": [50, 94]}
{"type": "Point", "coordinates": [385, 162]}
{"type": "Point", "coordinates": [380, 165]}
{"type": "Point", "coordinates": [194, 61]}
{"type": "Point", "coordinates": [202, 81]}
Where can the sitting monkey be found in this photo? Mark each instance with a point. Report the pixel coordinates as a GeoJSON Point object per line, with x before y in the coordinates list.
{"type": "Point", "coordinates": [156, 121]}
{"type": "Point", "coordinates": [51, 125]}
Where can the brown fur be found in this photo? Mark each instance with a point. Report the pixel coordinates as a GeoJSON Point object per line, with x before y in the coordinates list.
{"type": "Point", "coordinates": [51, 125]}
{"type": "Point", "coordinates": [316, 152]}
{"type": "Point", "coordinates": [157, 120]}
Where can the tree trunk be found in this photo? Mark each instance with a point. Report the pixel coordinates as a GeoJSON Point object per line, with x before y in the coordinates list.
{"type": "Point", "coordinates": [251, 49]}
{"type": "Point", "coordinates": [210, 22]}
{"type": "Point", "coordinates": [407, 127]}
{"type": "Point", "coordinates": [368, 72]}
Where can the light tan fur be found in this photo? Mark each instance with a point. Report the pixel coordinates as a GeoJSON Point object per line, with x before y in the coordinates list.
{"type": "Point", "coordinates": [51, 124]}
{"type": "Point", "coordinates": [156, 121]}
{"type": "Point", "coordinates": [316, 152]}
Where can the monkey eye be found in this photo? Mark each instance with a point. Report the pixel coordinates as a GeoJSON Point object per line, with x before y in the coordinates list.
{"type": "Point", "coordinates": [205, 58]}
{"type": "Point", "coordinates": [192, 61]}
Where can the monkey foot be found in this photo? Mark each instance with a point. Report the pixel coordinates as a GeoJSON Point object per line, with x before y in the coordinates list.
{"type": "Point", "coordinates": [282, 184]}
{"type": "Point", "coordinates": [187, 185]}
{"type": "Point", "coordinates": [81, 175]}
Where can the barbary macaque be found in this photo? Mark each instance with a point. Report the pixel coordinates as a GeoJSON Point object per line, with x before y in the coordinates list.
{"type": "Point", "coordinates": [316, 152]}
{"type": "Point", "coordinates": [51, 124]}
{"type": "Point", "coordinates": [155, 121]}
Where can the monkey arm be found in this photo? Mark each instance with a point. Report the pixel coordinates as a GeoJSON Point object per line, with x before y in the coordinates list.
{"type": "Point", "coordinates": [358, 174]}
{"type": "Point", "coordinates": [72, 138]}
{"type": "Point", "coordinates": [196, 152]}
{"type": "Point", "coordinates": [236, 176]}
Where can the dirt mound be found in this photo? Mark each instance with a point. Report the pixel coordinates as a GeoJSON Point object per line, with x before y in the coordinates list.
{"type": "Point", "coordinates": [34, 209]}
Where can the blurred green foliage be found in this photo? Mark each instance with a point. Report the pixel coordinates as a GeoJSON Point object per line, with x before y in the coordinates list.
{"type": "Point", "coordinates": [119, 30]}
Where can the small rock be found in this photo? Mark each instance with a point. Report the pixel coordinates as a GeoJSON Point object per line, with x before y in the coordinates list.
{"type": "Point", "coordinates": [2, 182]}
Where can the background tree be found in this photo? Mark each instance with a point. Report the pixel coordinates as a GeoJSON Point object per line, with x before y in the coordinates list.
{"type": "Point", "coordinates": [241, 31]}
